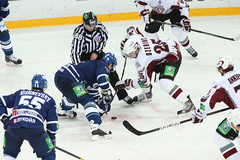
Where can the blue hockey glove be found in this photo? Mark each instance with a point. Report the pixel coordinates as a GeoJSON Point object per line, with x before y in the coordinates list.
{"type": "Point", "coordinates": [106, 107]}
{"type": "Point", "coordinates": [5, 121]}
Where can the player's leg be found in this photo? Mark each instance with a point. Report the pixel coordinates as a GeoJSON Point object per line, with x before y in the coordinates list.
{"type": "Point", "coordinates": [65, 87]}
{"type": "Point", "coordinates": [223, 138]}
{"type": "Point", "coordinates": [180, 34]}
{"type": "Point", "coordinates": [6, 45]}
{"type": "Point", "coordinates": [41, 143]}
{"type": "Point", "coordinates": [92, 114]}
{"type": "Point", "coordinates": [168, 72]}
{"type": "Point", "coordinates": [12, 144]}
{"type": "Point", "coordinates": [121, 93]}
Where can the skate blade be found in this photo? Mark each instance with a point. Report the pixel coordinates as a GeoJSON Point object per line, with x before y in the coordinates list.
{"type": "Point", "coordinates": [186, 115]}
{"type": "Point", "coordinates": [97, 137]}
{"type": "Point", "coordinates": [13, 64]}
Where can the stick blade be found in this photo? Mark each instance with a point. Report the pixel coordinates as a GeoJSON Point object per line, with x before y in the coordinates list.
{"type": "Point", "coordinates": [131, 128]}
{"type": "Point", "coordinates": [237, 38]}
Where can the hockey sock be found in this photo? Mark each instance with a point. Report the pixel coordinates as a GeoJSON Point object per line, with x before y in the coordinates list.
{"type": "Point", "coordinates": [6, 44]}
{"type": "Point", "coordinates": [173, 90]}
{"type": "Point", "coordinates": [181, 36]}
{"type": "Point", "coordinates": [226, 147]}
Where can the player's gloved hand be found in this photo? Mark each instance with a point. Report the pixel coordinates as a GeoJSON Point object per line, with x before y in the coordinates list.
{"type": "Point", "coordinates": [124, 84]}
{"type": "Point", "coordinates": [5, 121]}
{"type": "Point", "coordinates": [105, 107]}
{"type": "Point", "coordinates": [53, 141]}
{"type": "Point", "coordinates": [107, 98]}
{"type": "Point", "coordinates": [198, 116]}
{"type": "Point", "coordinates": [185, 22]}
{"type": "Point", "coordinates": [146, 17]}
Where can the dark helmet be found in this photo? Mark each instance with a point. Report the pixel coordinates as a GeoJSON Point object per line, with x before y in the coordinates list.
{"type": "Point", "coordinates": [89, 18]}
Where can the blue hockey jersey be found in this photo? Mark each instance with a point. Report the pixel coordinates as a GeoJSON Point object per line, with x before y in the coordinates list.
{"type": "Point", "coordinates": [30, 108]}
{"type": "Point", "coordinates": [92, 74]}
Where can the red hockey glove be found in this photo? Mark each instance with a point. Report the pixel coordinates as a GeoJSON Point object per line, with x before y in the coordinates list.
{"type": "Point", "coordinates": [145, 15]}
{"type": "Point", "coordinates": [123, 84]}
{"type": "Point", "coordinates": [198, 116]}
{"type": "Point", "coordinates": [185, 22]}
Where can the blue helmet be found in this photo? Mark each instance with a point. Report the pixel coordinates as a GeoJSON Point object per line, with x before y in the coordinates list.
{"type": "Point", "coordinates": [39, 81]}
{"type": "Point", "coordinates": [110, 58]}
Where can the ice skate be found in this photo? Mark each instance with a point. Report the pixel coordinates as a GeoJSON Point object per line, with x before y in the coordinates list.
{"type": "Point", "coordinates": [66, 113]}
{"type": "Point", "coordinates": [143, 96]}
{"type": "Point", "coordinates": [98, 134]}
{"type": "Point", "coordinates": [192, 51]}
{"type": "Point", "coordinates": [187, 108]}
{"type": "Point", "coordinates": [12, 60]}
{"type": "Point", "coordinates": [128, 100]}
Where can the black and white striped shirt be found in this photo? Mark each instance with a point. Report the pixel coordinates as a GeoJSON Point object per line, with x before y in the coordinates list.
{"type": "Point", "coordinates": [86, 43]}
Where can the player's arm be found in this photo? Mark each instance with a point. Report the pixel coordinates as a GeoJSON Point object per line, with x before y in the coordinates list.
{"type": "Point", "coordinates": [143, 12]}
{"type": "Point", "coordinates": [183, 7]}
{"type": "Point", "coordinates": [215, 95]}
{"type": "Point", "coordinates": [52, 121]}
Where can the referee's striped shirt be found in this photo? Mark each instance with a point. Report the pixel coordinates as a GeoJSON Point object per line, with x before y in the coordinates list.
{"type": "Point", "coordinates": [85, 43]}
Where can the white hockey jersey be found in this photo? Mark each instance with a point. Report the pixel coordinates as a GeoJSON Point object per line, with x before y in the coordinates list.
{"type": "Point", "coordinates": [225, 89]}
{"type": "Point", "coordinates": [151, 53]}
{"type": "Point", "coordinates": [163, 6]}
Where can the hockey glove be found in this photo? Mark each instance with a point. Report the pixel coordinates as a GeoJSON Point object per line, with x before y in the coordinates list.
{"type": "Point", "coordinates": [54, 141]}
{"type": "Point", "coordinates": [145, 15]}
{"type": "Point", "coordinates": [198, 116]}
{"type": "Point", "coordinates": [185, 22]}
{"type": "Point", "coordinates": [123, 84]}
{"type": "Point", "coordinates": [107, 98]}
{"type": "Point", "coordinates": [106, 107]}
{"type": "Point", "coordinates": [5, 121]}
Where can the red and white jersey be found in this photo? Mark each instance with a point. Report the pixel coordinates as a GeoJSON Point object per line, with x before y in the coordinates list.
{"type": "Point", "coordinates": [225, 89]}
{"type": "Point", "coordinates": [163, 6]}
{"type": "Point", "coordinates": [151, 53]}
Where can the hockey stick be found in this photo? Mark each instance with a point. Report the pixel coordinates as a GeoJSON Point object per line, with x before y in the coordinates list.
{"type": "Point", "coordinates": [124, 66]}
{"type": "Point", "coordinates": [207, 33]}
{"type": "Point", "coordinates": [139, 133]}
{"type": "Point", "coordinates": [71, 154]}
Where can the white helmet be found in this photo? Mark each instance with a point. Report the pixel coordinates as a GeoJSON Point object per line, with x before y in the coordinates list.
{"type": "Point", "coordinates": [225, 63]}
{"type": "Point", "coordinates": [130, 47]}
{"type": "Point", "coordinates": [234, 117]}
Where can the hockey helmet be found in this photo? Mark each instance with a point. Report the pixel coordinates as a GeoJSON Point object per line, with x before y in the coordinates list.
{"type": "Point", "coordinates": [39, 81]}
{"type": "Point", "coordinates": [130, 47]}
{"type": "Point", "coordinates": [225, 63]}
{"type": "Point", "coordinates": [110, 58]}
{"type": "Point", "coordinates": [234, 117]}
{"type": "Point", "coordinates": [89, 18]}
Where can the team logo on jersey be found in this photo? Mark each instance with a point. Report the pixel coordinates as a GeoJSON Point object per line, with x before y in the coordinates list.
{"type": "Point", "coordinates": [224, 128]}
{"type": "Point", "coordinates": [79, 90]}
{"type": "Point", "coordinates": [160, 1]}
{"type": "Point", "coordinates": [97, 39]}
{"type": "Point", "coordinates": [169, 71]}
{"type": "Point", "coordinates": [107, 78]}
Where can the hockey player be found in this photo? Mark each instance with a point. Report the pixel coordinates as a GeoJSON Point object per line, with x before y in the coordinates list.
{"type": "Point", "coordinates": [80, 83]}
{"type": "Point", "coordinates": [162, 56]}
{"type": "Point", "coordinates": [5, 40]}
{"type": "Point", "coordinates": [30, 108]}
{"type": "Point", "coordinates": [225, 89]}
{"type": "Point", "coordinates": [177, 11]}
{"type": "Point", "coordinates": [89, 40]}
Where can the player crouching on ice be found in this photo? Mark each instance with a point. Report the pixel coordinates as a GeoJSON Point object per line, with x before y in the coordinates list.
{"type": "Point", "coordinates": [80, 83]}
{"type": "Point", "coordinates": [225, 89]}
{"type": "Point", "coordinates": [163, 57]}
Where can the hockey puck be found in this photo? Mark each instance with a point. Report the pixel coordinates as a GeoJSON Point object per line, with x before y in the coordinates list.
{"type": "Point", "coordinates": [113, 117]}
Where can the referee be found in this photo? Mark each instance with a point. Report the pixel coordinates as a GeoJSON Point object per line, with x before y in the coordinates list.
{"type": "Point", "coordinates": [89, 40]}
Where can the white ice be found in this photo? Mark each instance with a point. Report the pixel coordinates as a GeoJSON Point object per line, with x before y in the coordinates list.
{"type": "Point", "coordinates": [45, 49]}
